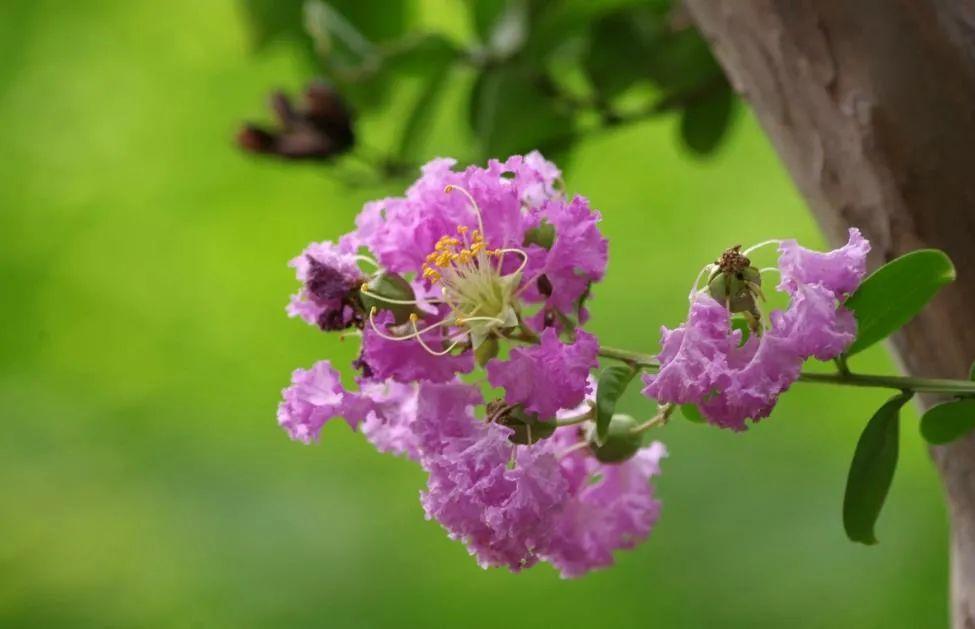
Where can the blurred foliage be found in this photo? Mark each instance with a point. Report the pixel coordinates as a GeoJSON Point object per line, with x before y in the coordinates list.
{"type": "Point", "coordinates": [546, 72]}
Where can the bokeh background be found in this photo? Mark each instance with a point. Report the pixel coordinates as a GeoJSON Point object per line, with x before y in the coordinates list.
{"type": "Point", "coordinates": [143, 346]}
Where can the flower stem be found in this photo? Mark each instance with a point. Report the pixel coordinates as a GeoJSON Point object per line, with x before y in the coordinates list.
{"type": "Point", "coordinates": [904, 383]}
{"type": "Point", "coordinates": [663, 414]}
{"type": "Point", "coordinates": [847, 378]}
{"type": "Point", "coordinates": [645, 361]}
{"type": "Point", "coordinates": [578, 419]}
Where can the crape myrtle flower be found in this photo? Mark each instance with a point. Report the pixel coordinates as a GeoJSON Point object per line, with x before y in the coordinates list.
{"type": "Point", "coordinates": [495, 241]}
{"type": "Point", "coordinates": [389, 412]}
{"type": "Point", "coordinates": [610, 507]}
{"type": "Point", "coordinates": [474, 277]}
{"type": "Point", "coordinates": [514, 505]}
{"type": "Point", "coordinates": [705, 362]}
{"type": "Point", "coordinates": [463, 261]}
{"type": "Point", "coordinates": [315, 397]}
{"type": "Point", "coordinates": [548, 376]}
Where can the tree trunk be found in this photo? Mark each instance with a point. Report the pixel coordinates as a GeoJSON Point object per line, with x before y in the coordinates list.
{"type": "Point", "coordinates": [871, 104]}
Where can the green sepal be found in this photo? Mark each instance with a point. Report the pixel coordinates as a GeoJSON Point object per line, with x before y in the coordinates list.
{"type": "Point", "coordinates": [486, 350]}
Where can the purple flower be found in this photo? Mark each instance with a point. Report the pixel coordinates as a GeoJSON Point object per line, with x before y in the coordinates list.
{"type": "Point", "coordinates": [314, 397]}
{"type": "Point", "coordinates": [549, 376]}
{"type": "Point", "coordinates": [401, 231]}
{"type": "Point", "coordinates": [702, 363]}
{"type": "Point", "coordinates": [465, 261]}
{"type": "Point", "coordinates": [408, 360]}
{"type": "Point", "coordinates": [329, 276]}
{"type": "Point", "coordinates": [616, 510]}
{"type": "Point", "coordinates": [389, 410]}
{"type": "Point", "coordinates": [501, 514]}
{"type": "Point", "coordinates": [694, 357]}
{"type": "Point", "coordinates": [814, 323]}
{"type": "Point", "coordinates": [513, 505]}
{"type": "Point", "coordinates": [578, 255]}
{"type": "Point", "coordinates": [839, 271]}
{"type": "Point", "coordinates": [758, 373]}
{"type": "Point", "coordinates": [494, 247]}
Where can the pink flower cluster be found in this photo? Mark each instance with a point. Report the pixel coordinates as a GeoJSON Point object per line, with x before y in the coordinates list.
{"type": "Point", "coordinates": [703, 362]}
{"type": "Point", "coordinates": [553, 504]}
{"type": "Point", "coordinates": [436, 282]}
{"type": "Point", "coordinates": [510, 505]}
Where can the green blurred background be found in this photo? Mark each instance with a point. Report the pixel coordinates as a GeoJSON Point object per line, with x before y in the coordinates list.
{"type": "Point", "coordinates": [143, 346]}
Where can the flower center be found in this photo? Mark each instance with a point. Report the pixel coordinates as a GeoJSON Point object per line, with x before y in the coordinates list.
{"type": "Point", "coordinates": [472, 283]}
{"type": "Point", "coordinates": [481, 297]}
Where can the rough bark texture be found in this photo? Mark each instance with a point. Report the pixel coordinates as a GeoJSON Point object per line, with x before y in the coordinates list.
{"type": "Point", "coordinates": [871, 104]}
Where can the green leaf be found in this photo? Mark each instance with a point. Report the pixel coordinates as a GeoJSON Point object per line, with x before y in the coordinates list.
{"type": "Point", "coordinates": [619, 47]}
{"type": "Point", "coordinates": [334, 35]}
{"type": "Point", "coordinates": [692, 413]}
{"type": "Point", "coordinates": [510, 113]}
{"type": "Point", "coordinates": [971, 372]}
{"type": "Point", "coordinates": [706, 120]}
{"type": "Point", "coordinates": [484, 14]}
{"type": "Point", "coordinates": [682, 63]}
{"type": "Point", "coordinates": [895, 293]}
{"type": "Point", "coordinates": [419, 57]}
{"type": "Point", "coordinates": [872, 471]}
{"type": "Point", "coordinates": [436, 63]}
{"type": "Point", "coordinates": [612, 383]}
{"type": "Point", "coordinates": [554, 23]}
{"type": "Point", "coordinates": [946, 422]}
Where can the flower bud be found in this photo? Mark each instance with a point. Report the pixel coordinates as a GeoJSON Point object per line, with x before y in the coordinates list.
{"type": "Point", "coordinates": [620, 444]}
{"type": "Point", "coordinates": [385, 287]}
{"type": "Point", "coordinates": [736, 283]}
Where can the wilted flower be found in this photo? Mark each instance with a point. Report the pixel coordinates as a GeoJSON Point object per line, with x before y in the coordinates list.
{"type": "Point", "coordinates": [330, 278]}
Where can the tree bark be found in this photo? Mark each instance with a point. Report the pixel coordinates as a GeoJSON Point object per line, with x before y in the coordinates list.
{"type": "Point", "coordinates": [871, 105]}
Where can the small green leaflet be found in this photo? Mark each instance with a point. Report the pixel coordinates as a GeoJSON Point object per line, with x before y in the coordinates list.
{"type": "Point", "coordinates": [612, 383]}
{"type": "Point", "coordinates": [895, 293]}
{"type": "Point", "coordinates": [872, 471]}
{"type": "Point", "coordinates": [946, 422]}
{"type": "Point", "coordinates": [971, 372]}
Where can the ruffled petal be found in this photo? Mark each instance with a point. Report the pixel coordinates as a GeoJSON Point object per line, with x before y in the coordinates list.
{"type": "Point", "coordinates": [549, 376]}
